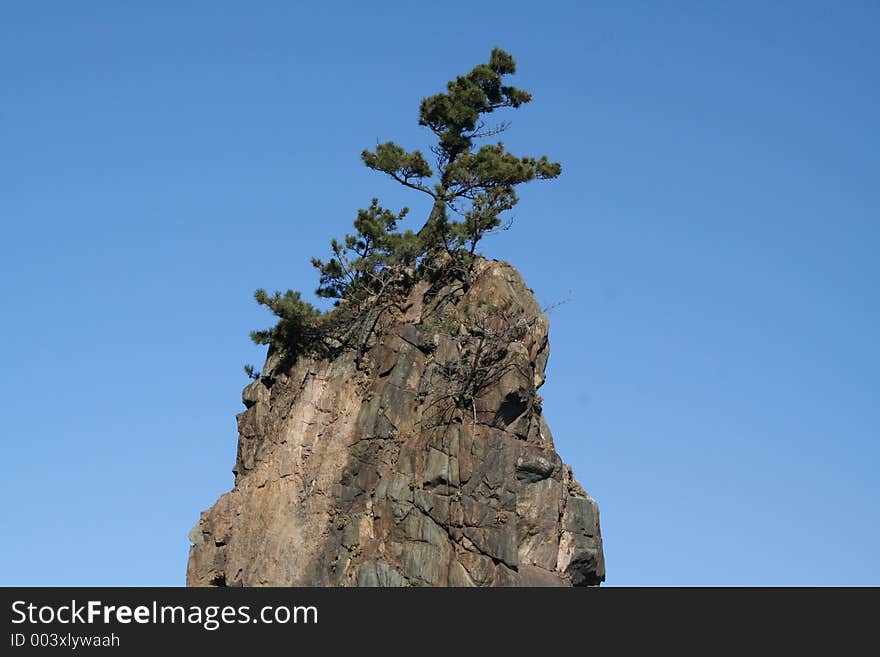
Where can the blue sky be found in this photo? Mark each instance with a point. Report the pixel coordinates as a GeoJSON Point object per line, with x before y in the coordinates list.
{"type": "Point", "coordinates": [713, 379]}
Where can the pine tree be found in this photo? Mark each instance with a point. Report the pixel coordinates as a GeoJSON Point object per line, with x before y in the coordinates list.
{"type": "Point", "coordinates": [477, 184]}
{"type": "Point", "coordinates": [474, 184]}
{"type": "Point", "coordinates": [360, 264]}
{"type": "Point", "coordinates": [298, 326]}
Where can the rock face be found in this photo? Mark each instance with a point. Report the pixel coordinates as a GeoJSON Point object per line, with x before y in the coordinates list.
{"type": "Point", "coordinates": [425, 462]}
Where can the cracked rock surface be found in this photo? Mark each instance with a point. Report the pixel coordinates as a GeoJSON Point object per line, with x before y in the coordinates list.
{"type": "Point", "coordinates": [426, 462]}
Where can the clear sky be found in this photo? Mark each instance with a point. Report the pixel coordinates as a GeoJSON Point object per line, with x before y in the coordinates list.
{"type": "Point", "coordinates": [713, 379]}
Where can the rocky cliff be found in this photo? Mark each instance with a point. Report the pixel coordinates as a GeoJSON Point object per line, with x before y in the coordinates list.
{"type": "Point", "coordinates": [426, 461]}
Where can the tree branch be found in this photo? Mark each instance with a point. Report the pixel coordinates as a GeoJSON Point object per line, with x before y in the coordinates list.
{"type": "Point", "coordinates": [405, 181]}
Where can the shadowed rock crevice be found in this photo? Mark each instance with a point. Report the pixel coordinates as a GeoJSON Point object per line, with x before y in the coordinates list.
{"type": "Point", "coordinates": [426, 461]}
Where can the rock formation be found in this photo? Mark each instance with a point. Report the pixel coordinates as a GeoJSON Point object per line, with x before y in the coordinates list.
{"type": "Point", "coordinates": [425, 461]}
